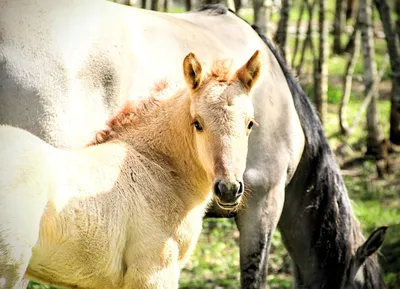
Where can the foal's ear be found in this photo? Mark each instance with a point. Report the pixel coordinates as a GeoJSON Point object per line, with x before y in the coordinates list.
{"type": "Point", "coordinates": [249, 73]}
{"type": "Point", "coordinates": [192, 71]}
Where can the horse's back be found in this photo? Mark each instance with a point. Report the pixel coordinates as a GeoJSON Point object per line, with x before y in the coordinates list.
{"type": "Point", "coordinates": [60, 67]}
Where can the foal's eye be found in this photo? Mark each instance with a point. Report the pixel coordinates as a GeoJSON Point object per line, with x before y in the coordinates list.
{"type": "Point", "coordinates": [250, 125]}
{"type": "Point", "coordinates": [197, 126]}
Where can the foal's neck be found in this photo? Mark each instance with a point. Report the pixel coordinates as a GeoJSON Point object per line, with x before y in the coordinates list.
{"type": "Point", "coordinates": [165, 136]}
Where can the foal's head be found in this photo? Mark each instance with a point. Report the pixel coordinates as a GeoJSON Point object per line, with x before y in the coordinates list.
{"type": "Point", "coordinates": [222, 117]}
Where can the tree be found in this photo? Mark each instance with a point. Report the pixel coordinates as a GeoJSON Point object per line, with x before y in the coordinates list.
{"type": "Point", "coordinates": [238, 5]}
{"type": "Point", "coordinates": [374, 130]}
{"type": "Point", "coordinates": [154, 5]}
{"type": "Point", "coordinates": [281, 33]}
{"type": "Point", "coordinates": [260, 14]}
{"type": "Point", "coordinates": [188, 5]}
{"type": "Point", "coordinates": [125, 2]}
{"type": "Point", "coordinates": [308, 39]}
{"type": "Point", "coordinates": [338, 25]}
{"type": "Point", "coordinates": [321, 63]}
{"type": "Point", "coordinates": [393, 49]}
{"type": "Point", "coordinates": [347, 82]}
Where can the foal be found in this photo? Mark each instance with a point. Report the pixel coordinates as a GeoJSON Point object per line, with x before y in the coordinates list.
{"type": "Point", "coordinates": [126, 211]}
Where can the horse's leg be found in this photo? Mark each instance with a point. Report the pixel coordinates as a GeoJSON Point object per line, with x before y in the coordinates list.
{"type": "Point", "coordinates": [257, 221]}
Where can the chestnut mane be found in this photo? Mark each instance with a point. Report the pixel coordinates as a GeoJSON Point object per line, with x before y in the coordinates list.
{"type": "Point", "coordinates": [133, 111]}
{"type": "Point", "coordinates": [221, 70]}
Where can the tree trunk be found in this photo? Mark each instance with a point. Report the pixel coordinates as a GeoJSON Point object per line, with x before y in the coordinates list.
{"type": "Point", "coordinates": [281, 32]}
{"type": "Point", "coordinates": [154, 5]}
{"type": "Point", "coordinates": [350, 11]}
{"type": "Point", "coordinates": [201, 3]}
{"type": "Point", "coordinates": [321, 65]}
{"type": "Point", "coordinates": [231, 5]}
{"type": "Point", "coordinates": [374, 130]}
{"type": "Point", "coordinates": [143, 4]}
{"type": "Point", "coordinates": [188, 5]}
{"type": "Point", "coordinates": [338, 25]}
{"type": "Point", "coordinates": [238, 5]}
{"type": "Point", "coordinates": [261, 15]}
{"type": "Point", "coordinates": [394, 118]}
{"type": "Point", "coordinates": [344, 127]}
{"type": "Point", "coordinates": [297, 37]}
{"type": "Point", "coordinates": [393, 49]}
{"type": "Point", "coordinates": [308, 40]}
{"type": "Point", "coordinates": [165, 5]}
{"type": "Point", "coordinates": [124, 2]}
{"type": "Point", "coordinates": [369, 93]}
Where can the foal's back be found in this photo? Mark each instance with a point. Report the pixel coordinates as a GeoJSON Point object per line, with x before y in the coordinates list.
{"type": "Point", "coordinates": [25, 183]}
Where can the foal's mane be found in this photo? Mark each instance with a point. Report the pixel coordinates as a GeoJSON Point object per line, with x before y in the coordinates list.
{"type": "Point", "coordinates": [132, 111]}
{"type": "Point", "coordinates": [135, 110]}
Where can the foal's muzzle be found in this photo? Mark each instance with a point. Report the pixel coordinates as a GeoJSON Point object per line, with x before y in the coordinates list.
{"type": "Point", "coordinates": [228, 193]}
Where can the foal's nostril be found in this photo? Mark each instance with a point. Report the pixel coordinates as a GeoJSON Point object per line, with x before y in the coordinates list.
{"type": "Point", "coordinates": [241, 189]}
{"type": "Point", "coordinates": [234, 189]}
{"type": "Point", "coordinates": [217, 190]}
{"type": "Point", "coordinates": [228, 193]}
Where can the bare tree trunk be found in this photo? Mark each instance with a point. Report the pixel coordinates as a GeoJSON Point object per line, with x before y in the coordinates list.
{"type": "Point", "coordinates": [204, 2]}
{"type": "Point", "coordinates": [393, 49]}
{"type": "Point", "coordinates": [165, 5]}
{"type": "Point", "coordinates": [308, 40]}
{"type": "Point", "coordinates": [297, 37]}
{"type": "Point", "coordinates": [231, 5]}
{"type": "Point", "coordinates": [369, 93]}
{"type": "Point", "coordinates": [344, 127]}
{"type": "Point", "coordinates": [188, 5]}
{"type": "Point", "coordinates": [143, 4]}
{"type": "Point", "coordinates": [350, 10]}
{"type": "Point", "coordinates": [154, 5]}
{"type": "Point", "coordinates": [125, 2]}
{"type": "Point", "coordinates": [375, 134]}
{"type": "Point", "coordinates": [281, 33]}
{"type": "Point", "coordinates": [338, 25]}
{"type": "Point", "coordinates": [261, 15]}
{"type": "Point", "coordinates": [321, 65]}
{"type": "Point", "coordinates": [238, 5]}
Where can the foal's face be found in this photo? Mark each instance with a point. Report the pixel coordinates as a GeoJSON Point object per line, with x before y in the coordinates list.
{"type": "Point", "coordinates": [222, 118]}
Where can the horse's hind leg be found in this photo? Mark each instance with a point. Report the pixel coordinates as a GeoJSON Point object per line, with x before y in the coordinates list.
{"type": "Point", "coordinates": [257, 221]}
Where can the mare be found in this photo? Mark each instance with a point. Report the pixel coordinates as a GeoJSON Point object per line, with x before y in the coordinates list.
{"type": "Point", "coordinates": [126, 210]}
{"type": "Point", "coordinates": [69, 65]}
